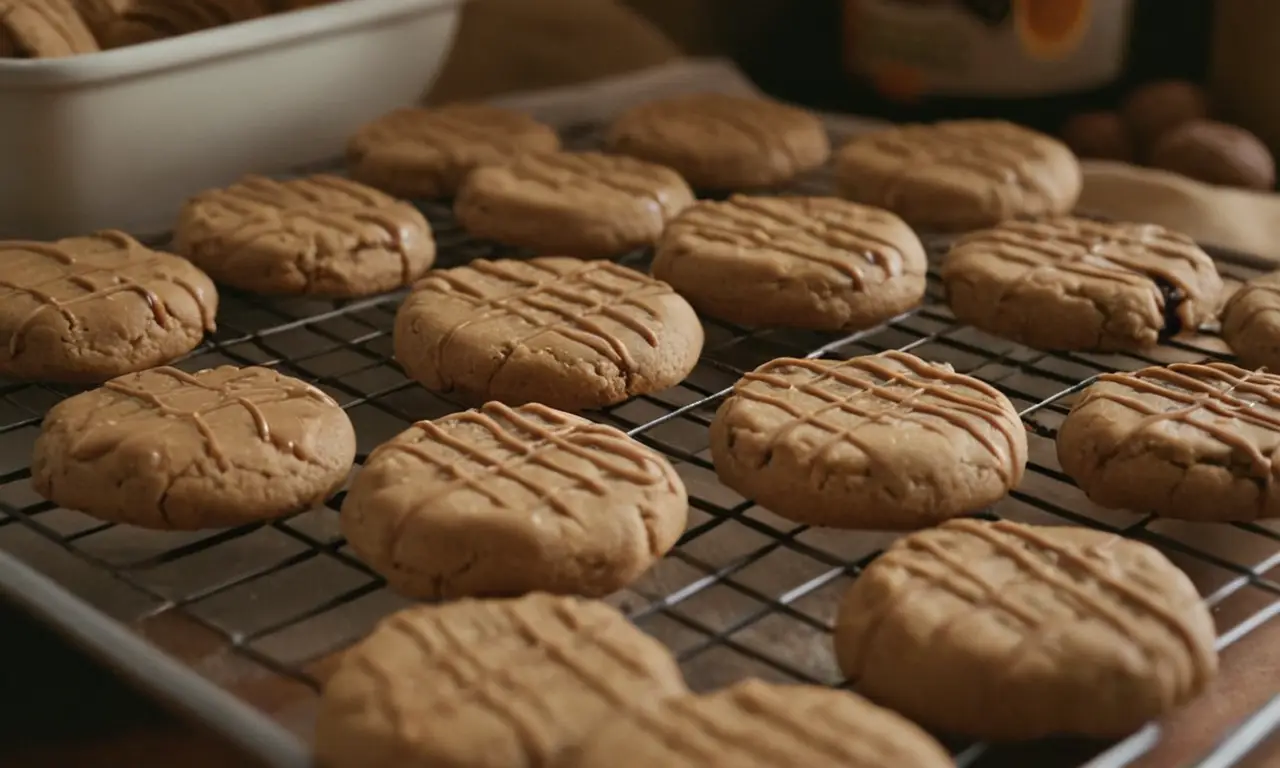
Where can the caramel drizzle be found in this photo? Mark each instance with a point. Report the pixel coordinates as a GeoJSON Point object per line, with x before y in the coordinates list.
{"type": "Point", "coordinates": [41, 292]}
{"type": "Point", "coordinates": [58, 18]}
{"type": "Point", "coordinates": [749, 118]}
{"type": "Point", "coordinates": [1098, 252]}
{"type": "Point", "coordinates": [561, 295]}
{"type": "Point", "coordinates": [252, 399]}
{"type": "Point", "coordinates": [1127, 624]}
{"type": "Point", "coordinates": [1271, 289]}
{"type": "Point", "coordinates": [1183, 383]}
{"type": "Point", "coordinates": [530, 444]}
{"type": "Point", "coordinates": [591, 173]}
{"type": "Point", "coordinates": [963, 411]}
{"type": "Point", "coordinates": [449, 131]}
{"type": "Point", "coordinates": [267, 207]}
{"type": "Point", "coordinates": [999, 158]}
{"type": "Point", "coordinates": [740, 223]}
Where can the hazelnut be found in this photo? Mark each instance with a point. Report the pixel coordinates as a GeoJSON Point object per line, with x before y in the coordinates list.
{"type": "Point", "coordinates": [1157, 108]}
{"type": "Point", "coordinates": [1216, 153]}
{"type": "Point", "coordinates": [1101, 135]}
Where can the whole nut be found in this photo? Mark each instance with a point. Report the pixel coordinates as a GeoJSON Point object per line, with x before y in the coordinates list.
{"type": "Point", "coordinates": [1158, 108]}
{"type": "Point", "coordinates": [1101, 135]}
{"type": "Point", "coordinates": [1216, 153]}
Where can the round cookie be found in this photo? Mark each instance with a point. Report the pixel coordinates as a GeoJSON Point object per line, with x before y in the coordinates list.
{"type": "Point", "coordinates": [1192, 441]}
{"type": "Point", "coordinates": [583, 204]}
{"type": "Point", "coordinates": [86, 309]}
{"type": "Point", "coordinates": [757, 725]}
{"type": "Point", "coordinates": [427, 153]}
{"type": "Point", "coordinates": [804, 262]}
{"type": "Point", "coordinates": [319, 235]}
{"type": "Point", "coordinates": [1005, 631]}
{"type": "Point", "coordinates": [1251, 322]}
{"type": "Point", "coordinates": [503, 501]}
{"type": "Point", "coordinates": [43, 29]}
{"type": "Point", "coordinates": [961, 174]}
{"type": "Point", "coordinates": [488, 684]}
{"type": "Point", "coordinates": [883, 442]}
{"type": "Point", "coordinates": [172, 450]}
{"type": "Point", "coordinates": [723, 142]}
{"type": "Point", "coordinates": [568, 333]}
{"type": "Point", "coordinates": [1077, 284]}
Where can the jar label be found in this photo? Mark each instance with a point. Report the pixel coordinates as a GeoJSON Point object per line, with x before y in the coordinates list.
{"type": "Point", "coordinates": [909, 49]}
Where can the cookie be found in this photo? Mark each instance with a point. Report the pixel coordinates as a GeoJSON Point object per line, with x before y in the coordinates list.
{"type": "Point", "coordinates": [1076, 284]}
{"type": "Point", "coordinates": [319, 235]}
{"type": "Point", "coordinates": [582, 204]}
{"type": "Point", "coordinates": [802, 262]}
{"type": "Point", "coordinates": [488, 684]}
{"type": "Point", "coordinates": [723, 142]}
{"type": "Point", "coordinates": [961, 174]}
{"type": "Point", "coordinates": [503, 501]}
{"type": "Point", "coordinates": [43, 29]}
{"type": "Point", "coordinates": [567, 333]}
{"type": "Point", "coordinates": [181, 451]}
{"type": "Point", "coordinates": [427, 153]}
{"type": "Point", "coordinates": [885, 442]}
{"type": "Point", "coordinates": [1251, 322]}
{"type": "Point", "coordinates": [757, 725]}
{"type": "Point", "coordinates": [1191, 441]}
{"type": "Point", "coordinates": [1003, 631]}
{"type": "Point", "coordinates": [143, 21]}
{"type": "Point", "coordinates": [86, 309]}
{"type": "Point", "coordinates": [99, 15]}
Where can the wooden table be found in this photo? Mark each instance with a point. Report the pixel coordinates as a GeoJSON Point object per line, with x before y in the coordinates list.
{"type": "Point", "coordinates": [64, 711]}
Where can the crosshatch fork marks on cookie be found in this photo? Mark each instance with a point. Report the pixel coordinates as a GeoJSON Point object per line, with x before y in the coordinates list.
{"type": "Point", "coordinates": [526, 444]}
{"type": "Point", "coordinates": [551, 293]}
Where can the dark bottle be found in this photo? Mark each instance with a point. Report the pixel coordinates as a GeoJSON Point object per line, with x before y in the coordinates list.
{"type": "Point", "coordinates": [1033, 61]}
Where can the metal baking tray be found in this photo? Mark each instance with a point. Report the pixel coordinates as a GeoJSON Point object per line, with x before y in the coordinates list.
{"type": "Point", "coordinates": [240, 627]}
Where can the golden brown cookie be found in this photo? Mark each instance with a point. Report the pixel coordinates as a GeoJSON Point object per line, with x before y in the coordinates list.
{"type": "Point", "coordinates": [86, 309]}
{"type": "Point", "coordinates": [145, 20]}
{"type": "Point", "coordinates": [803, 262]}
{"type": "Point", "coordinates": [757, 725]}
{"type": "Point", "coordinates": [961, 174]}
{"type": "Point", "coordinates": [1251, 322]}
{"type": "Point", "coordinates": [501, 501]}
{"type": "Point", "coordinates": [488, 684]}
{"type": "Point", "coordinates": [883, 442]}
{"type": "Point", "coordinates": [1192, 441]}
{"type": "Point", "coordinates": [723, 142]}
{"type": "Point", "coordinates": [100, 15]}
{"type": "Point", "coordinates": [174, 450]}
{"type": "Point", "coordinates": [582, 204]}
{"type": "Point", "coordinates": [43, 29]}
{"type": "Point", "coordinates": [319, 235]}
{"type": "Point", "coordinates": [1077, 284]}
{"type": "Point", "coordinates": [427, 153]}
{"type": "Point", "coordinates": [1012, 632]}
{"type": "Point", "coordinates": [568, 333]}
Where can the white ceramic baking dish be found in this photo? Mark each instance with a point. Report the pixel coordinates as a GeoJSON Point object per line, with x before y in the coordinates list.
{"type": "Point", "coordinates": [122, 138]}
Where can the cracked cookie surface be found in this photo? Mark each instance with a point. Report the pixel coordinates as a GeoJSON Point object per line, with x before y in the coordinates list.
{"type": "Point", "coordinates": [754, 724]}
{"type": "Point", "coordinates": [86, 309]}
{"type": "Point", "coordinates": [319, 235]}
{"type": "Point", "coordinates": [1251, 322]}
{"type": "Point", "coordinates": [583, 204]}
{"type": "Point", "coordinates": [960, 174]}
{"type": "Point", "coordinates": [818, 263]}
{"type": "Point", "coordinates": [569, 333]}
{"type": "Point", "coordinates": [1075, 284]}
{"type": "Point", "coordinates": [502, 501]}
{"type": "Point", "coordinates": [488, 684]}
{"type": "Point", "coordinates": [427, 153]}
{"type": "Point", "coordinates": [717, 141]}
{"type": "Point", "coordinates": [884, 442]}
{"type": "Point", "coordinates": [1192, 441]}
{"type": "Point", "coordinates": [1004, 631]}
{"type": "Point", "coordinates": [172, 450]}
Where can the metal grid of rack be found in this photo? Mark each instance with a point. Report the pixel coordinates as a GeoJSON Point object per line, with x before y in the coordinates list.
{"type": "Point", "coordinates": [261, 610]}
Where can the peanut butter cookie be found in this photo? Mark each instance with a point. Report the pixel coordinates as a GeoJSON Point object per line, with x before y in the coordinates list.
{"type": "Point", "coordinates": [1251, 322]}
{"type": "Point", "coordinates": [886, 441]}
{"type": "Point", "coordinates": [43, 29]}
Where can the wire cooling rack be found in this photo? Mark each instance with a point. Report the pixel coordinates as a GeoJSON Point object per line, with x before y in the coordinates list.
{"type": "Point", "coordinates": [260, 611]}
